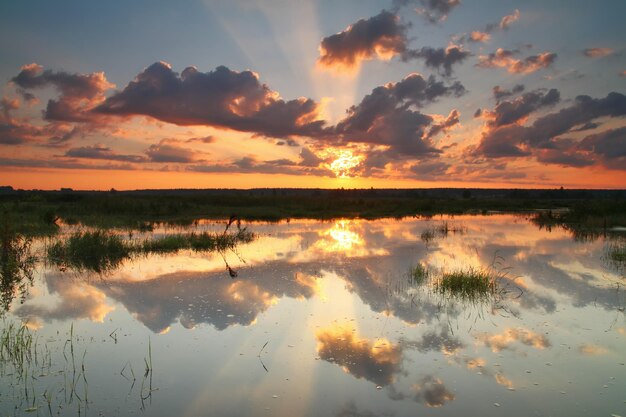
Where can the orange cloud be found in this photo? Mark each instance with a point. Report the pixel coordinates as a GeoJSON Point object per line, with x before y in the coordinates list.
{"type": "Point", "coordinates": [506, 339]}
{"type": "Point", "coordinates": [377, 362]}
{"type": "Point", "coordinates": [504, 58]}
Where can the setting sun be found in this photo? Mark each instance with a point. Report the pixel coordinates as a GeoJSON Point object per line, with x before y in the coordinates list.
{"type": "Point", "coordinates": [345, 163]}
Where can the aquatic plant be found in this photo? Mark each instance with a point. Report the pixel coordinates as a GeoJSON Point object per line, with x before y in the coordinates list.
{"type": "Point", "coordinates": [419, 274]}
{"type": "Point", "coordinates": [97, 250]}
{"type": "Point", "coordinates": [616, 252]}
{"type": "Point", "coordinates": [470, 283]}
{"type": "Point", "coordinates": [101, 251]}
{"type": "Point", "coordinates": [16, 265]}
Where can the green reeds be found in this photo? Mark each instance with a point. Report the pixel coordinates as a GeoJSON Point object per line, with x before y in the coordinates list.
{"type": "Point", "coordinates": [471, 283]}
{"type": "Point", "coordinates": [97, 250]}
{"type": "Point", "coordinates": [101, 251]}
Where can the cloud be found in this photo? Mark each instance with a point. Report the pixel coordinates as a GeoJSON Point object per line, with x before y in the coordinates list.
{"type": "Point", "coordinates": [432, 392]}
{"type": "Point", "coordinates": [249, 164]}
{"type": "Point", "coordinates": [506, 21]}
{"type": "Point", "coordinates": [609, 146]}
{"type": "Point", "coordinates": [500, 93]}
{"type": "Point", "coordinates": [446, 124]}
{"type": "Point", "coordinates": [386, 116]}
{"type": "Point", "coordinates": [381, 36]}
{"type": "Point", "coordinates": [167, 151]}
{"type": "Point", "coordinates": [542, 137]}
{"type": "Point", "coordinates": [377, 362]}
{"type": "Point", "coordinates": [504, 58]}
{"type": "Point", "coordinates": [478, 36]}
{"type": "Point", "coordinates": [507, 112]}
{"type": "Point", "coordinates": [62, 164]}
{"type": "Point", "coordinates": [79, 92]}
{"type": "Point", "coordinates": [437, 10]}
{"type": "Point", "coordinates": [77, 301]}
{"type": "Point", "coordinates": [440, 59]}
{"type": "Point", "coordinates": [308, 158]}
{"type": "Point", "coordinates": [102, 152]}
{"type": "Point", "coordinates": [484, 35]}
{"type": "Point", "coordinates": [219, 98]}
{"type": "Point", "coordinates": [597, 52]}
{"type": "Point", "coordinates": [506, 339]}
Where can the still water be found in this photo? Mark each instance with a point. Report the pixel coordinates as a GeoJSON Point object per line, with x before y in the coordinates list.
{"type": "Point", "coordinates": [325, 319]}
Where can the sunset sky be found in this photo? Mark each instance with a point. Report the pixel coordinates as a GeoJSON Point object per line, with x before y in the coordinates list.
{"type": "Point", "coordinates": [278, 93]}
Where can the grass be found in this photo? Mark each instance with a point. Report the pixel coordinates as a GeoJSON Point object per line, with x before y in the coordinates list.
{"type": "Point", "coordinates": [16, 265]}
{"type": "Point", "coordinates": [97, 250]}
{"type": "Point", "coordinates": [37, 213]}
{"type": "Point", "coordinates": [470, 283]}
{"type": "Point", "coordinates": [617, 252]}
{"type": "Point", "coordinates": [17, 347]}
{"type": "Point", "coordinates": [419, 274]}
{"type": "Point", "coordinates": [101, 251]}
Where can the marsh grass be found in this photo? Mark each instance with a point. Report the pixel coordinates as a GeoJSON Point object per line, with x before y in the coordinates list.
{"type": "Point", "coordinates": [419, 274]}
{"type": "Point", "coordinates": [17, 264]}
{"type": "Point", "coordinates": [441, 230]}
{"type": "Point", "coordinates": [97, 251]}
{"type": "Point", "coordinates": [470, 283]}
{"type": "Point", "coordinates": [102, 251]}
{"type": "Point", "coordinates": [616, 252]}
{"type": "Point", "coordinates": [17, 347]}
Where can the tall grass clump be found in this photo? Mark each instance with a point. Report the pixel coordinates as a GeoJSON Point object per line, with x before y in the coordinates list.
{"type": "Point", "coordinates": [102, 251]}
{"type": "Point", "coordinates": [471, 283]}
{"type": "Point", "coordinates": [96, 250]}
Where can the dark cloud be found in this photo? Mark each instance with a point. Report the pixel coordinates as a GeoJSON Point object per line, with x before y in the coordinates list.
{"type": "Point", "coordinates": [384, 36]}
{"type": "Point", "coordinates": [436, 341]}
{"type": "Point", "coordinates": [205, 139]}
{"type": "Point", "coordinates": [440, 59]}
{"type": "Point", "coordinates": [221, 98]}
{"type": "Point", "coordinates": [437, 10]}
{"type": "Point", "coordinates": [542, 137]}
{"type": "Point", "coordinates": [376, 362]}
{"type": "Point", "coordinates": [61, 163]}
{"type": "Point", "coordinates": [446, 124]}
{"type": "Point", "coordinates": [609, 146]}
{"type": "Point", "coordinates": [386, 116]}
{"type": "Point", "coordinates": [504, 58]}
{"type": "Point", "coordinates": [251, 165]}
{"type": "Point", "coordinates": [102, 152]}
{"type": "Point", "coordinates": [380, 36]}
{"type": "Point", "coordinates": [308, 158]}
{"type": "Point", "coordinates": [169, 151]}
{"type": "Point", "coordinates": [597, 52]}
{"type": "Point", "coordinates": [500, 93]}
{"type": "Point", "coordinates": [507, 112]}
{"type": "Point", "coordinates": [429, 170]}
{"type": "Point", "coordinates": [432, 392]}
{"type": "Point", "coordinates": [79, 92]}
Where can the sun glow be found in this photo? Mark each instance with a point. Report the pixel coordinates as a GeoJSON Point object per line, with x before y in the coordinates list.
{"type": "Point", "coordinates": [345, 163]}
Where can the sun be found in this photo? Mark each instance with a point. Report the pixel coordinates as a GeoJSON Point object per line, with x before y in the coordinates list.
{"type": "Point", "coordinates": [346, 161]}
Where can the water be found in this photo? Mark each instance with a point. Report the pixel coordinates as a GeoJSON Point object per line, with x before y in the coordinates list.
{"type": "Point", "coordinates": [323, 319]}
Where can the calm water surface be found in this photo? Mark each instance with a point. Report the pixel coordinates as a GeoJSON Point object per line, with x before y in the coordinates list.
{"type": "Point", "coordinates": [323, 319]}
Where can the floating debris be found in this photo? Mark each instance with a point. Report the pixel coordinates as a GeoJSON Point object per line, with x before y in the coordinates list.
{"type": "Point", "coordinates": [496, 404]}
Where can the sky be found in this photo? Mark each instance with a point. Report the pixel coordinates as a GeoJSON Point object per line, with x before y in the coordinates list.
{"type": "Point", "coordinates": [319, 93]}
